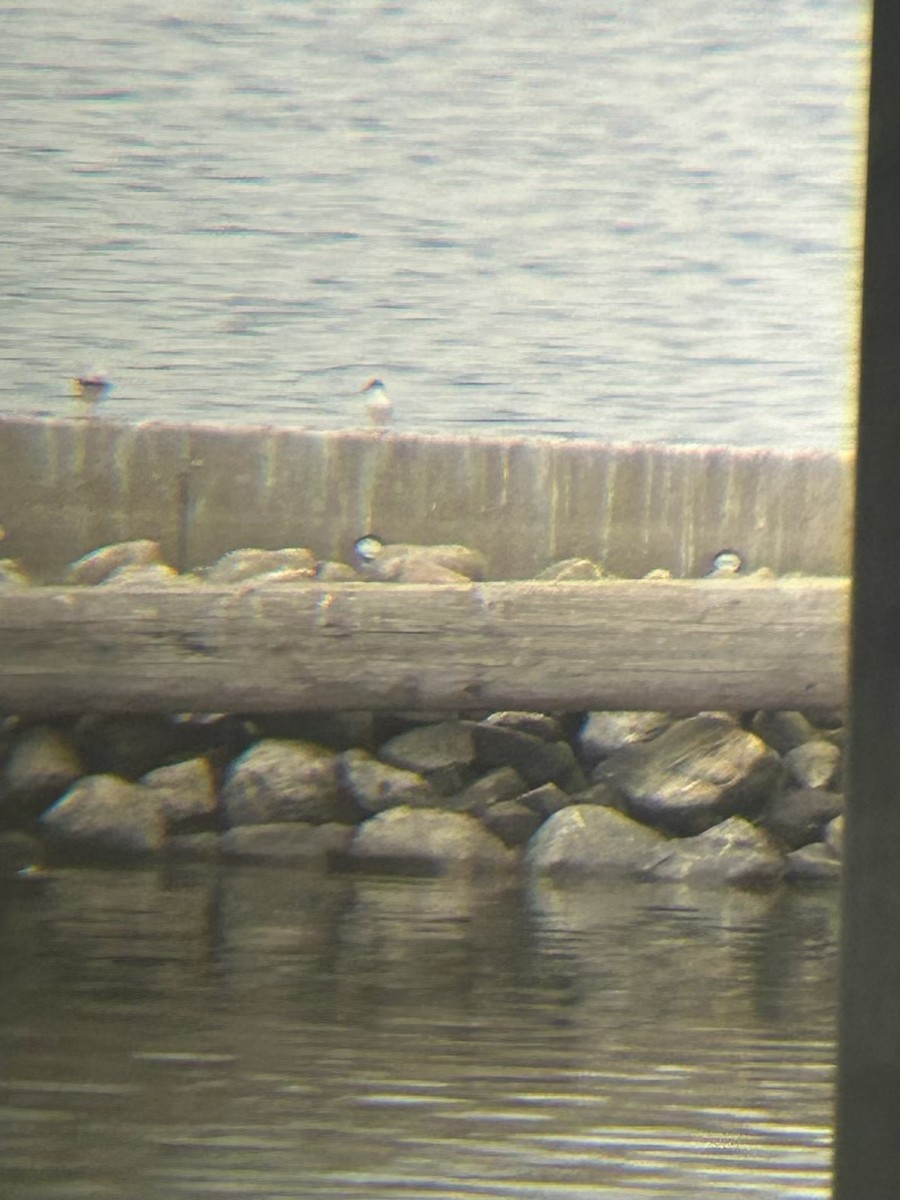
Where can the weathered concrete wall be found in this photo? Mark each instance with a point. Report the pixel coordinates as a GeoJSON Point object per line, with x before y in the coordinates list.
{"type": "Point", "coordinates": [69, 486]}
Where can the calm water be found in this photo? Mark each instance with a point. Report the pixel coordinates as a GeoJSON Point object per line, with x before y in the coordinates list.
{"type": "Point", "coordinates": [626, 221]}
{"type": "Point", "coordinates": [254, 1034]}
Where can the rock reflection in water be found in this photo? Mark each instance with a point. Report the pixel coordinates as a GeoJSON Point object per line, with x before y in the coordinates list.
{"type": "Point", "coordinates": [261, 1033]}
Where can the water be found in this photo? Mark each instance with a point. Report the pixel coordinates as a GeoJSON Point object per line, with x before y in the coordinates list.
{"type": "Point", "coordinates": [631, 221]}
{"type": "Point", "coordinates": [257, 1033]}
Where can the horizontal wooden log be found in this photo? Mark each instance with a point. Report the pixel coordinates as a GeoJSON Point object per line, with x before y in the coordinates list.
{"type": "Point", "coordinates": [682, 645]}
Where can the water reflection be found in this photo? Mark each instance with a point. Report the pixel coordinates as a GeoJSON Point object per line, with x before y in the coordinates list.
{"type": "Point", "coordinates": [260, 1033]}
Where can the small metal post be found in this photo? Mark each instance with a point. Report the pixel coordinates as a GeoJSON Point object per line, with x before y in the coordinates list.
{"type": "Point", "coordinates": [867, 1136]}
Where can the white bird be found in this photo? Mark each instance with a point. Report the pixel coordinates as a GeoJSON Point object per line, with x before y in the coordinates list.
{"type": "Point", "coordinates": [90, 389]}
{"type": "Point", "coordinates": [379, 406]}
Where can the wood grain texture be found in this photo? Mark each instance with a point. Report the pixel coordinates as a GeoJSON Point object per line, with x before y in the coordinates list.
{"type": "Point", "coordinates": [680, 645]}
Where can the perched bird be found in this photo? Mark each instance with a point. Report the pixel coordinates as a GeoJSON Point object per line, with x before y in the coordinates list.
{"type": "Point", "coordinates": [90, 389]}
{"type": "Point", "coordinates": [379, 405]}
{"type": "Point", "coordinates": [725, 565]}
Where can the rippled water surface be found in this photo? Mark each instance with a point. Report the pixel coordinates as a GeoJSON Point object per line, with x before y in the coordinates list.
{"type": "Point", "coordinates": [624, 221]}
{"type": "Point", "coordinates": [257, 1033]}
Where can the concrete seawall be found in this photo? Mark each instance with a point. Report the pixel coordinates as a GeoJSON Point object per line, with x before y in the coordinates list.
{"type": "Point", "coordinates": [69, 486]}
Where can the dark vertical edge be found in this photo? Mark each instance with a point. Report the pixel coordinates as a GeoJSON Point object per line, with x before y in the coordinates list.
{"type": "Point", "coordinates": [867, 1135]}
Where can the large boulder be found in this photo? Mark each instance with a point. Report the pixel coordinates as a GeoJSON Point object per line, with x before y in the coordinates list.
{"type": "Point", "coordinates": [286, 781]}
{"type": "Point", "coordinates": [186, 793]}
{"type": "Point", "coordinates": [42, 764]}
{"type": "Point", "coordinates": [589, 840]}
{"type": "Point", "coordinates": [695, 775]}
{"type": "Point", "coordinates": [733, 853]}
{"type": "Point", "coordinates": [421, 841]}
{"type": "Point", "coordinates": [537, 761]}
{"type": "Point", "coordinates": [103, 815]}
{"type": "Point", "coordinates": [443, 754]}
{"type": "Point", "coordinates": [376, 786]}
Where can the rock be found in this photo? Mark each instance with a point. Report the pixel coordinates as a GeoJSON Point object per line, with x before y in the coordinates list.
{"type": "Point", "coordinates": [505, 783]}
{"type": "Point", "coordinates": [443, 754]}
{"type": "Point", "coordinates": [278, 781]}
{"type": "Point", "coordinates": [399, 562]}
{"type": "Point", "coordinates": [783, 730]}
{"type": "Point", "coordinates": [13, 574]}
{"type": "Point", "coordinates": [93, 568]}
{"type": "Point", "coordinates": [185, 791]}
{"type": "Point", "coordinates": [700, 771]}
{"type": "Point", "coordinates": [295, 842]}
{"type": "Point", "coordinates": [143, 575]}
{"type": "Point", "coordinates": [571, 570]}
{"type": "Point", "coordinates": [42, 764]}
{"type": "Point", "coordinates": [104, 815]}
{"type": "Point", "coordinates": [834, 836]}
{"type": "Point", "coordinates": [537, 761]}
{"type": "Point", "coordinates": [336, 572]}
{"type": "Point", "coordinates": [376, 786]}
{"type": "Point", "coordinates": [513, 822]}
{"type": "Point", "coordinates": [539, 725]}
{"type": "Point", "coordinates": [812, 864]}
{"type": "Point", "coordinates": [428, 842]}
{"type": "Point", "coordinates": [238, 565]}
{"type": "Point", "coordinates": [589, 840]}
{"type": "Point", "coordinates": [546, 800]}
{"type": "Point", "coordinates": [734, 852]}
{"type": "Point", "coordinates": [603, 733]}
{"type": "Point", "coordinates": [814, 764]}
{"type": "Point", "coordinates": [799, 817]}
{"type": "Point", "coordinates": [424, 571]}
{"type": "Point", "coordinates": [659, 573]}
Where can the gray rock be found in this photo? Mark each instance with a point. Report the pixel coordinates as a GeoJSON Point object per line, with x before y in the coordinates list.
{"type": "Point", "coordinates": [603, 733]}
{"type": "Point", "coordinates": [799, 817]}
{"type": "Point", "coordinates": [428, 842]}
{"type": "Point", "coordinates": [42, 764]}
{"type": "Point", "coordinates": [376, 786]}
{"type": "Point", "coordinates": [695, 775]}
{"type": "Point", "coordinates": [278, 781]}
{"type": "Point", "coordinates": [138, 576]}
{"type": "Point", "coordinates": [589, 840]}
{"type": "Point", "coordinates": [502, 784]}
{"type": "Point", "coordinates": [537, 761]}
{"type": "Point", "coordinates": [401, 561]}
{"type": "Point", "coordinates": [99, 564]}
{"type": "Point", "coordinates": [513, 822]}
{"type": "Point", "coordinates": [336, 572]}
{"type": "Point", "coordinates": [238, 565]}
{"type": "Point", "coordinates": [185, 791]}
{"type": "Point", "coordinates": [13, 574]}
{"type": "Point", "coordinates": [834, 836]}
{"type": "Point", "coordinates": [295, 842]}
{"type": "Point", "coordinates": [546, 800]}
{"type": "Point", "coordinates": [539, 725]}
{"type": "Point", "coordinates": [783, 730]}
{"type": "Point", "coordinates": [814, 764]}
{"type": "Point", "coordinates": [104, 815]}
{"type": "Point", "coordinates": [733, 853]}
{"type": "Point", "coordinates": [812, 864]}
{"type": "Point", "coordinates": [443, 754]}
{"type": "Point", "coordinates": [571, 570]}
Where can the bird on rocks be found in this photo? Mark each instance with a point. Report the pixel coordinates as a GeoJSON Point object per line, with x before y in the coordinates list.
{"type": "Point", "coordinates": [90, 390]}
{"type": "Point", "coordinates": [379, 405]}
{"type": "Point", "coordinates": [725, 565]}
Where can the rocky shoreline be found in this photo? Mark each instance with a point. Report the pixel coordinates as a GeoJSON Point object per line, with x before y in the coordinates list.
{"type": "Point", "coordinates": [744, 800]}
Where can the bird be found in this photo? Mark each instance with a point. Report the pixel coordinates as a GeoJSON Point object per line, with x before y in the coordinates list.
{"type": "Point", "coordinates": [725, 565]}
{"type": "Point", "coordinates": [379, 405]}
{"type": "Point", "coordinates": [90, 389]}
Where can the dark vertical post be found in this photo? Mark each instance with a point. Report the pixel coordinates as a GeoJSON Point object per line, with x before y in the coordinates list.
{"type": "Point", "coordinates": [867, 1140]}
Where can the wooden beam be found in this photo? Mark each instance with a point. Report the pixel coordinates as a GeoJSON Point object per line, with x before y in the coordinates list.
{"type": "Point", "coordinates": [867, 1149]}
{"type": "Point", "coordinates": [681, 645]}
